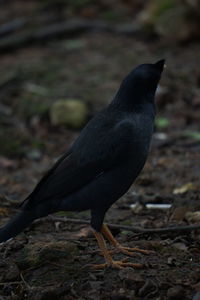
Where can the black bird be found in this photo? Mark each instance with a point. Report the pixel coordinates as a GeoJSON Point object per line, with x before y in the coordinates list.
{"type": "Point", "coordinates": [101, 164]}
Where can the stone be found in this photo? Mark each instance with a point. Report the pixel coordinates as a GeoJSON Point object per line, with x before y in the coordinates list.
{"type": "Point", "coordinates": [42, 252]}
{"type": "Point", "coordinates": [70, 112]}
{"type": "Point", "coordinates": [176, 292]}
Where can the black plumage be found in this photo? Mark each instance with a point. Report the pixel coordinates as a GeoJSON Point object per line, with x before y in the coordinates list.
{"type": "Point", "coordinates": [104, 160]}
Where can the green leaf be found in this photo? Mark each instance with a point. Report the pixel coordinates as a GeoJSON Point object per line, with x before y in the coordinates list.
{"type": "Point", "coordinates": [162, 122]}
{"type": "Point", "coordinates": [195, 135]}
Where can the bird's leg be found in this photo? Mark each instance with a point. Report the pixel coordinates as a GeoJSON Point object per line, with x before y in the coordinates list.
{"type": "Point", "coordinates": [108, 258]}
{"type": "Point", "coordinates": [125, 250]}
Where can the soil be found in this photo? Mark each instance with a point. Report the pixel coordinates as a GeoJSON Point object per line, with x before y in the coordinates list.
{"type": "Point", "coordinates": [52, 259]}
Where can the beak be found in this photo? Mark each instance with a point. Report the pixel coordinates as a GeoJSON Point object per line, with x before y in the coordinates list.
{"type": "Point", "coordinates": [160, 65]}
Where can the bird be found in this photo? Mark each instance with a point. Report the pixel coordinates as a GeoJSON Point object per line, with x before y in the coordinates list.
{"type": "Point", "coordinates": [101, 164]}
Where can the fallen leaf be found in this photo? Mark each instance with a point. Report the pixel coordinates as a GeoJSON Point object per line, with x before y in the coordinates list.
{"type": "Point", "coordinates": [179, 213]}
{"type": "Point", "coordinates": [83, 233]}
{"type": "Point", "coordinates": [193, 217]}
{"type": "Point", "coordinates": [185, 188]}
{"type": "Point", "coordinates": [136, 207]}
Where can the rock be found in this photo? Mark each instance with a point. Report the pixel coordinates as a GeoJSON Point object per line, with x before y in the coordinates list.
{"type": "Point", "coordinates": [70, 112]}
{"type": "Point", "coordinates": [153, 10]}
{"type": "Point", "coordinates": [180, 246]}
{"type": "Point", "coordinates": [173, 18]}
{"type": "Point", "coordinates": [12, 272]}
{"type": "Point", "coordinates": [175, 293]}
{"type": "Point", "coordinates": [178, 213]}
{"type": "Point", "coordinates": [34, 254]}
{"type": "Point", "coordinates": [163, 16]}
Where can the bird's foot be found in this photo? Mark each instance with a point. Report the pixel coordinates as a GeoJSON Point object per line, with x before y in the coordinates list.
{"type": "Point", "coordinates": [113, 251]}
{"type": "Point", "coordinates": [131, 251]}
{"type": "Point", "coordinates": [118, 247]}
{"type": "Point", "coordinates": [117, 264]}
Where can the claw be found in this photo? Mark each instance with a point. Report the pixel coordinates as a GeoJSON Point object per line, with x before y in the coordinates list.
{"type": "Point", "coordinates": [130, 251]}
{"type": "Point", "coordinates": [117, 265]}
{"type": "Point", "coordinates": [109, 252]}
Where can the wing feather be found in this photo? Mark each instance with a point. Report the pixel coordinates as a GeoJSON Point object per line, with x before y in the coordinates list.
{"type": "Point", "coordinates": [89, 157]}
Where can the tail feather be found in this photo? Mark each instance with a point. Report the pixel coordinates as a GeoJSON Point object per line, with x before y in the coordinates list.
{"type": "Point", "coordinates": [16, 225]}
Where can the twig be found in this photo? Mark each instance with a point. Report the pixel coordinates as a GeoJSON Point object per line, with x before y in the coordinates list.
{"type": "Point", "coordinates": [11, 282]}
{"type": "Point", "coordinates": [12, 26]}
{"type": "Point", "coordinates": [65, 28]}
{"type": "Point", "coordinates": [25, 283]}
{"type": "Point", "coordinates": [124, 227]}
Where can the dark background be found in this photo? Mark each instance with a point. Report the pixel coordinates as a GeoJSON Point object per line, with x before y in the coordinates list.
{"type": "Point", "coordinates": [78, 51]}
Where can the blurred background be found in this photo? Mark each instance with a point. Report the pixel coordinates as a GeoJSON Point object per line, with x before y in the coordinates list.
{"type": "Point", "coordinates": [62, 61]}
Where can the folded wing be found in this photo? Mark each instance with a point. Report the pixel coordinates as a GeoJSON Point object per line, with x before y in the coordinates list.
{"type": "Point", "coordinates": [88, 158]}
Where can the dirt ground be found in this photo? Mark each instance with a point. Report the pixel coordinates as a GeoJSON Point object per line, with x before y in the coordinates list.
{"type": "Point", "coordinates": [52, 258]}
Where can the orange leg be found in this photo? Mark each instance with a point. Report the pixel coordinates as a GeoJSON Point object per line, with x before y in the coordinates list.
{"type": "Point", "coordinates": [125, 250]}
{"type": "Point", "coordinates": [109, 262]}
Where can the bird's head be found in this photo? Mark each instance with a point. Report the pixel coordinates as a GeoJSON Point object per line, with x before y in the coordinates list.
{"type": "Point", "coordinates": [141, 81]}
{"type": "Point", "coordinates": [146, 76]}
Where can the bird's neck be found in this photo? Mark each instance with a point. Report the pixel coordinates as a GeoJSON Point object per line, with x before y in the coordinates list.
{"type": "Point", "coordinates": [135, 100]}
